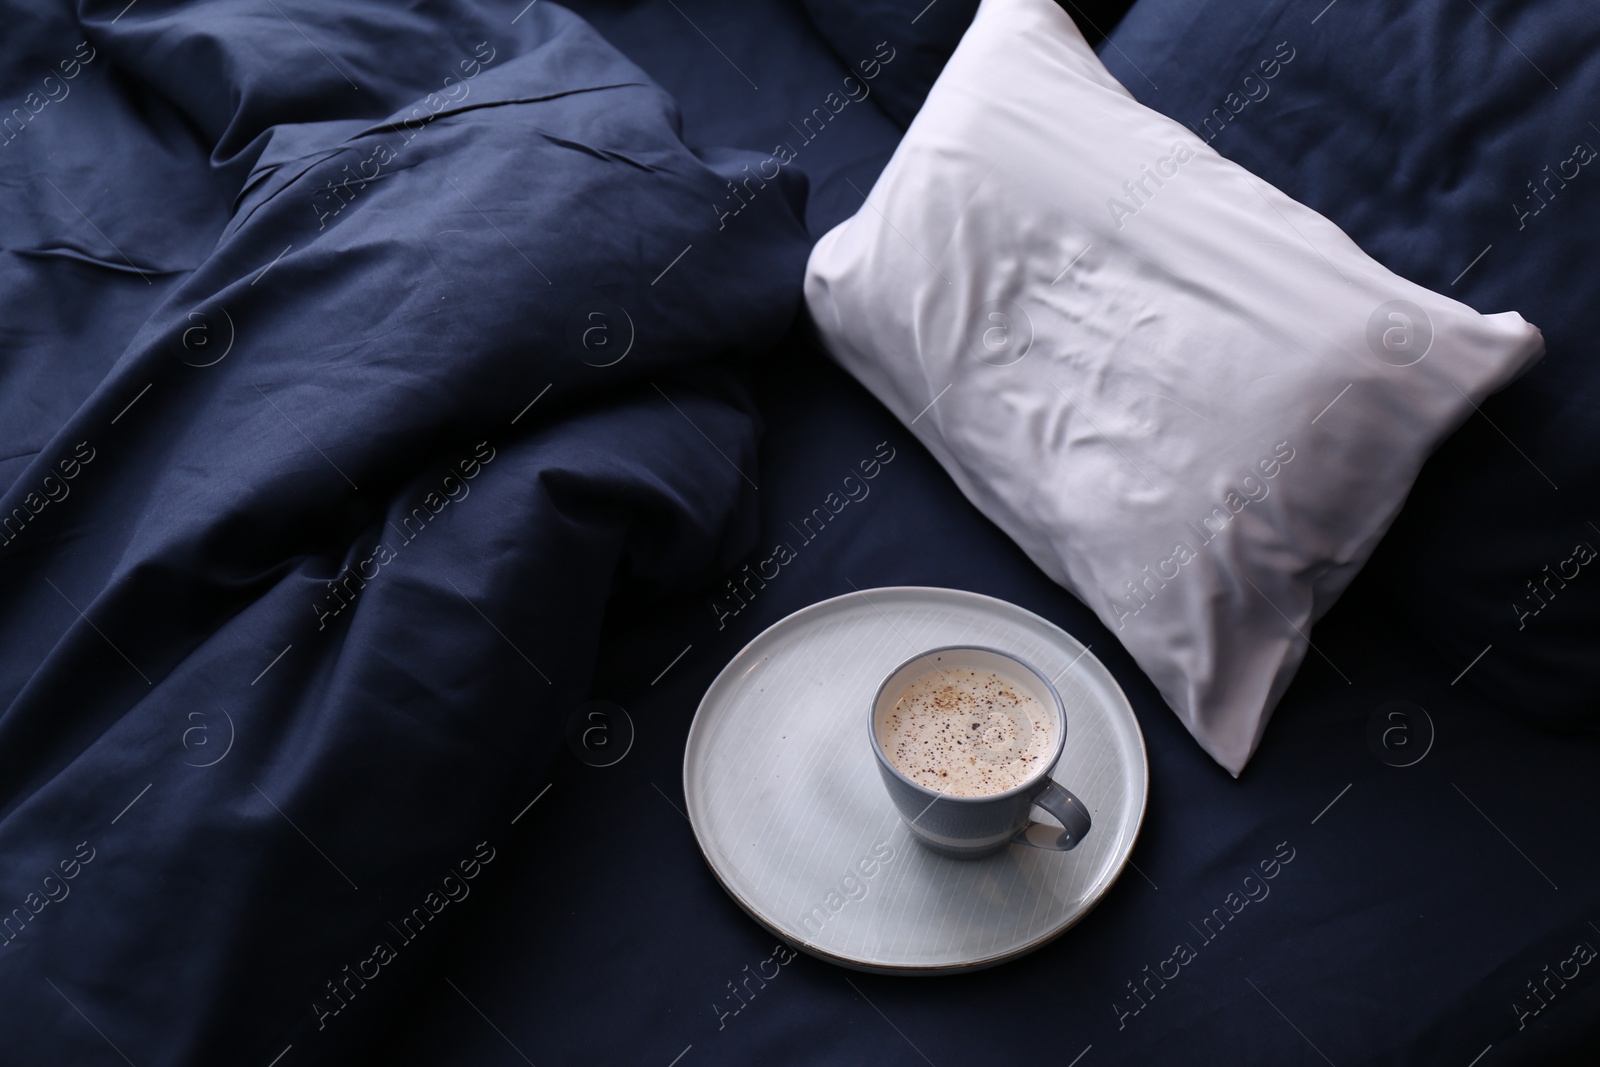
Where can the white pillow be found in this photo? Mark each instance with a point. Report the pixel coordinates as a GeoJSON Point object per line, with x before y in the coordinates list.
{"type": "Point", "coordinates": [1193, 401]}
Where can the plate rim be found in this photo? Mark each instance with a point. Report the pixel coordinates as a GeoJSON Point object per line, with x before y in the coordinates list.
{"type": "Point", "coordinates": [918, 970]}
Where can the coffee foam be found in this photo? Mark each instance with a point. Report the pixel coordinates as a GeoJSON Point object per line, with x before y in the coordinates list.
{"type": "Point", "coordinates": [967, 732]}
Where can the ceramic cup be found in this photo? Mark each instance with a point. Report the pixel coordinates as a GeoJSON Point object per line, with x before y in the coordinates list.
{"type": "Point", "coordinates": [974, 826]}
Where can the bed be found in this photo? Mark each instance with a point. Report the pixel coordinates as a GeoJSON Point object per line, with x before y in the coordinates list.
{"type": "Point", "coordinates": [335, 521]}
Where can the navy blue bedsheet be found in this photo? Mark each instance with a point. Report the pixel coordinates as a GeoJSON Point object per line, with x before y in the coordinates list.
{"type": "Point", "coordinates": [1404, 929]}
{"type": "Point", "coordinates": [1441, 899]}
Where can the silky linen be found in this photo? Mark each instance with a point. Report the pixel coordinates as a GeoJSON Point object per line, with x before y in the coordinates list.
{"type": "Point", "coordinates": [1190, 399]}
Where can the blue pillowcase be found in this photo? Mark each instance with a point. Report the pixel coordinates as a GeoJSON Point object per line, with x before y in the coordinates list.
{"type": "Point", "coordinates": [915, 37]}
{"type": "Point", "coordinates": [920, 36]}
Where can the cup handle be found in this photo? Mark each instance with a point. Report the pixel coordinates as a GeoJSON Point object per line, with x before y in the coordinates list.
{"type": "Point", "coordinates": [1074, 816]}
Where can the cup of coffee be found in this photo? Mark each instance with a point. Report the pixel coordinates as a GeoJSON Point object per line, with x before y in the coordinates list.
{"type": "Point", "coordinates": [966, 738]}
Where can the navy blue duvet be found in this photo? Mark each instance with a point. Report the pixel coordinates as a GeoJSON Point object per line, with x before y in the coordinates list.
{"type": "Point", "coordinates": [350, 360]}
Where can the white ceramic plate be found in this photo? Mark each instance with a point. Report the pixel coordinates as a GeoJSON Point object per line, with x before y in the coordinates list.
{"type": "Point", "coordinates": [790, 813]}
